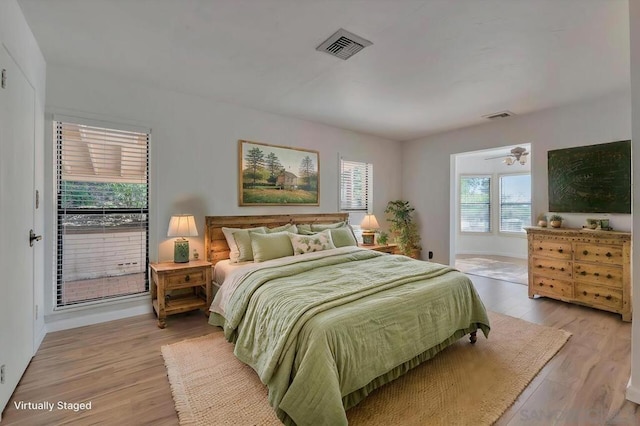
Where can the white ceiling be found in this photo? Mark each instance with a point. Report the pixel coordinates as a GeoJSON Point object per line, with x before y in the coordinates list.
{"type": "Point", "coordinates": [434, 65]}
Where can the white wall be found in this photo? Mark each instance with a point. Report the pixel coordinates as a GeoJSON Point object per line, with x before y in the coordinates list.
{"type": "Point", "coordinates": [17, 37]}
{"type": "Point", "coordinates": [633, 390]}
{"type": "Point", "coordinates": [194, 150]}
{"type": "Point", "coordinates": [495, 242]}
{"type": "Point", "coordinates": [426, 163]}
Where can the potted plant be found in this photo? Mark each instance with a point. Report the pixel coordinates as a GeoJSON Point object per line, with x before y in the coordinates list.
{"type": "Point", "coordinates": [542, 220]}
{"type": "Point", "coordinates": [555, 220]}
{"type": "Point", "coordinates": [383, 238]}
{"type": "Point", "coordinates": [402, 225]}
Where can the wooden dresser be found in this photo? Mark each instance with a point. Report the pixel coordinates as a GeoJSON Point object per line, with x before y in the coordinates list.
{"type": "Point", "coordinates": [591, 268]}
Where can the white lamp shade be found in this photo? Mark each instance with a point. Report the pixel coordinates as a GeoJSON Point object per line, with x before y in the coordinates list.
{"type": "Point", "coordinates": [182, 225]}
{"type": "Point", "coordinates": [508, 161]}
{"type": "Point", "coordinates": [369, 222]}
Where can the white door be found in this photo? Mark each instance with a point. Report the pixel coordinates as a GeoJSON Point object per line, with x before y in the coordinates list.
{"type": "Point", "coordinates": [17, 135]}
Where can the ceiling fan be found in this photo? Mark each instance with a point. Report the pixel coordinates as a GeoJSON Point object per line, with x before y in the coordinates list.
{"type": "Point", "coordinates": [516, 154]}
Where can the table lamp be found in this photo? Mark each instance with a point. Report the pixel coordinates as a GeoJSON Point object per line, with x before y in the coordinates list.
{"type": "Point", "coordinates": [182, 225]}
{"type": "Point", "coordinates": [369, 225]}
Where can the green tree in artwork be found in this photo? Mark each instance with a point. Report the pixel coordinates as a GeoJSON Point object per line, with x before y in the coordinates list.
{"type": "Point", "coordinates": [274, 167]}
{"type": "Point", "coordinates": [307, 170]}
{"type": "Point", "coordinates": [255, 163]}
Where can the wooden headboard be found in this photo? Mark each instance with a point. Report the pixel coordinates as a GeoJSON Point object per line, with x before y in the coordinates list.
{"type": "Point", "coordinates": [216, 247]}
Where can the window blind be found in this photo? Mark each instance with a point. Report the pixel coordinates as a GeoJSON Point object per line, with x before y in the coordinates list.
{"type": "Point", "coordinates": [515, 202]}
{"type": "Point", "coordinates": [355, 185]}
{"type": "Point", "coordinates": [475, 203]}
{"type": "Point", "coordinates": [102, 212]}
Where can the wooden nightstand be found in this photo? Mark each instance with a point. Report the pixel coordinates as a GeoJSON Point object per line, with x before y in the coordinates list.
{"type": "Point", "coordinates": [167, 276]}
{"type": "Point", "coordinates": [385, 248]}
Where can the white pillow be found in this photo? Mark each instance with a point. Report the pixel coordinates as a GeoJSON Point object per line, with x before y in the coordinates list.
{"type": "Point", "coordinates": [233, 246]}
{"type": "Point", "coordinates": [309, 243]}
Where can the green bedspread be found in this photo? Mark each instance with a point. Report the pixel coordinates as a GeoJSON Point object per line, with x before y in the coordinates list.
{"type": "Point", "coordinates": [323, 333]}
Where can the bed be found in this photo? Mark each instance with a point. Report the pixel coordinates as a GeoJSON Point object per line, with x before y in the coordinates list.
{"type": "Point", "coordinates": [323, 329]}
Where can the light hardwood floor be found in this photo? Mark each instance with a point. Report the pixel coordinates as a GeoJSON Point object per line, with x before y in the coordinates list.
{"type": "Point", "coordinates": [118, 367]}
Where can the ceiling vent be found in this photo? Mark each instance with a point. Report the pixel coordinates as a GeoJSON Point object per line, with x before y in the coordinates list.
{"type": "Point", "coordinates": [501, 114]}
{"type": "Point", "coordinates": [343, 44]}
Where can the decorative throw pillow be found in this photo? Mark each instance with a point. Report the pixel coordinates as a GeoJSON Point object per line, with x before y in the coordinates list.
{"type": "Point", "coordinates": [305, 229]}
{"type": "Point", "coordinates": [309, 243]}
{"type": "Point", "coordinates": [270, 246]}
{"type": "Point", "coordinates": [231, 241]}
{"type": "Point", "coordinates": [343, 237]}
{"type": "Point", "coordinates": [243, 241]}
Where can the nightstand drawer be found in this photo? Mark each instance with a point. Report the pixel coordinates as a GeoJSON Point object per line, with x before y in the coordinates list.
{"type": "Point", "coordinates": [188, 278]}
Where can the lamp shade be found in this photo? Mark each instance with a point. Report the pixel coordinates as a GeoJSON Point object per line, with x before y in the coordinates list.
{"type": "Point", "coordinates": [369, 222]}
{"type": "Point", "coordinates": [182, 225]}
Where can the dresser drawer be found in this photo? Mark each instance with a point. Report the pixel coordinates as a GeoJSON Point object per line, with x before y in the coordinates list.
{"type": "Point", "coordinates": [551, 287]}
{"type": "Point", "coordinates": [555, 249]}
{"type": "Point", "coordinates": [599, 296]}
{"type": "Point", "coordinates": [186, 278]}
{"type": "Point", "coordinates": [603, 254]}
{"type": "Point", "coordinates": [555, 268]}
{"type": "Point", "coordinates": [598, 274]}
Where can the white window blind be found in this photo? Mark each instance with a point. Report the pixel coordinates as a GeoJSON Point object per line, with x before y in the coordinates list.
{"type": "Point", "coordinates": [102, 212]}
{"type": "Point", "coordinates": [355, 185]}
{"type": "Point", "coordinates": [515, 202]}
{"type": "Point", "coordinates": [475, 203]}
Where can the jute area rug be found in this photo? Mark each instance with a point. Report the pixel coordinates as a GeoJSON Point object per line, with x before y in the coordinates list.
{"type": "Point", "coordinates": [463, 385]}
{"type": "Point", "coordinates": [492, 268]}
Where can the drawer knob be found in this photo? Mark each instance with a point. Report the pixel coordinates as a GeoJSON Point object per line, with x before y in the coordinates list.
{"type": "Point", "coordinates": [187, 278]}
{"type": "Point", "coordinates": [609, 276]}
{"type": "Point", "coordinates": [539, 248]}
{"type": "Point", "coordinates": [597, 294]}
{"type": "Point", "coordinates": [586, 252]}
{"type": "Point", "coordinates": [583, 273]}
{"type": "Point", "coordinates": [539, 266]}
{"type": "Point", "coordinates": [596, 274]}
{"type": "Point", "coordinates": [584, 293]}
{"type": "Point", "coordinates": [608, 254]}
{"type": "Point", "coordinates": [550, 285]}
{"type": "Point", "coordinates": [553, 268]}
{"type": "Point", "coordinates": [540, 284]}
{"type": "Point", "coordinates": [608, 297]}
{"type": "Point", "coordinates": [559, 250]}
{"type": "Point", "coordinates": [562, 269]}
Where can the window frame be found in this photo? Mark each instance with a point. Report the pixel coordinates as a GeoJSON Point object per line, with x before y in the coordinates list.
{"type": "Point", "coordinates": [490, 177]}
{"type": "Point", "coordinates": [369, 186]}
{"type": "Point", "coordinates": [522, 233]}
{"type": "Point", "coordinates": [59, 210]}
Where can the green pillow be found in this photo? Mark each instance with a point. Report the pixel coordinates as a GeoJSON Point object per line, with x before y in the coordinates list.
{"type": "Point", "coordinates": [242, 238]}
{"type": "Point", "coordinates": [270, 246]}
{"type": "Point", "coordinates": [289, 227]}
{"type": "Point", "coordinates": [322, 226]}
{"type": "Point", "coordinates": [343, 237]}
{"type": "Point", "coordinates": [305, 229]}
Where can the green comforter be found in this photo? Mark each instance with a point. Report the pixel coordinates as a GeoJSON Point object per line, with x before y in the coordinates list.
{"type": "Point", "coordinates": [323, 333]}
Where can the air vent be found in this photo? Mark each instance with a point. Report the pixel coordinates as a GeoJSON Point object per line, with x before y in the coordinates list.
{"type": "Point", "coordinates": [501, 114]}
{"type": "Point", "coordinates": [343, 44]}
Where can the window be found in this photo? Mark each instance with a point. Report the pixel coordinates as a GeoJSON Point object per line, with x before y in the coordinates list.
{"type": "Point", "coordinates": [355, 186]}
{"type": "Point", "coordinates": [515, 202]}
{"type": "Point", "coordinates": [102, 212]}
{"type": "Point", "coordinates": [475, 203]}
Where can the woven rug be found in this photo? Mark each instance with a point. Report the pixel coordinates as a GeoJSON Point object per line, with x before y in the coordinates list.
{"type": "Point", "coordinates": [492, 268]}
{"type": "Point", "coordinates": [463, 385]}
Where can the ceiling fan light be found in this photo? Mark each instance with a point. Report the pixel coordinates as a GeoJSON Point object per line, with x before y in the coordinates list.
{"type": "Point", "coordinates": [523, 160]}
{"type": "Point", "coordinates": [508, 161]}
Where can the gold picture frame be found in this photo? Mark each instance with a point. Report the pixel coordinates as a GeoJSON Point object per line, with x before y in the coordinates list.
{"type": "Point", "coordinates": [275, 175]}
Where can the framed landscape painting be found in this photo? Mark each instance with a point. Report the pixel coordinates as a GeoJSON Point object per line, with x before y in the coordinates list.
{"type": "Point", "coordinates": [277, 175]}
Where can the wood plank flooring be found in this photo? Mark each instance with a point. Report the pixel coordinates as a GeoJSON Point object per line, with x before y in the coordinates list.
{"type": "Point", "coordinates": [118, 367]}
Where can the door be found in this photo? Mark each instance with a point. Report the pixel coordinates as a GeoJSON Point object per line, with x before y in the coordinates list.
{"type": "Point", "coordinates": [17, 136]}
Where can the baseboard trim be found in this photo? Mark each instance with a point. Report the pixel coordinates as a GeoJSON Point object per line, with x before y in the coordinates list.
{"type": "Point", "coordinates": [66, 320]}
{"type": "Point", "coordinates": [633, 393]}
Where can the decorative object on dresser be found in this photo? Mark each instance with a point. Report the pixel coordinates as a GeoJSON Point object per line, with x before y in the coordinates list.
{"type": "Point", "coordinates": [369, 227]}
{"type": "Point", "coordinates": [277, 175]}
{"type": "Point", "coordinates": [542, 220]}
{"type": "Point", "coordinates": [590, 268]}
{"type": "Point", "coordinates": [404, 228]}
{"type": "Point", "coordinates": [182, 225]}
{"type": "Point", "coordinates": [194, 277]}
{"type": "Point", "coordinates": [555, 220]}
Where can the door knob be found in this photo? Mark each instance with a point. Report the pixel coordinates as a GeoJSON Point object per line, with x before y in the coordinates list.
{"type": "Point", "coordinates": [33, 237]}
